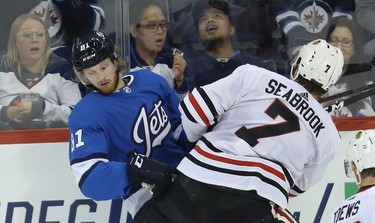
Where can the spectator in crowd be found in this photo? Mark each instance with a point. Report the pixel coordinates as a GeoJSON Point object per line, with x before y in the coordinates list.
{"type": "Point", "coordinates": [344, 34]}
{"type": "Point", "coordinates": [137, 114]}
{"type": "Point", "coordinates": [365, 14]}
{"type": "Point", "coordinates": [34, 90]}
{"type": "Point", "coordinates": [360, 165]}
{"type": "Point", "coordinates": [148, 29]}
{"type": "Point", "coordinates": [183, 32]}
{"type": "Point", "coordinates": [302, 21]}
{"type": "Point", "coordinates": [65, 19]}
{"type": "Point", "coordinates": [244, 168]}
{"type": "Point", "coordinates": [219, 58]}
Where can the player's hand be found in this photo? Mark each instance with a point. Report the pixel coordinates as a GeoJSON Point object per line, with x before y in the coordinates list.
{"type": "Point", "coordinates": [147, 173]}
{"type": "Point", "coordinates": [179, 65]}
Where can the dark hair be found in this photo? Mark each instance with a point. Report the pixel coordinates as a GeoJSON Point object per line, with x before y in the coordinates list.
{"type": "Point", "coordinates": [357, 33]}
{"type": "Point", "coordinates": [311, 86]}
{"type": "Point", "coordinates": [137, 8]}
{"type": "Point", "coordinates": [370, 172]}
{"type": "Point", "coordinates": [202, 5]}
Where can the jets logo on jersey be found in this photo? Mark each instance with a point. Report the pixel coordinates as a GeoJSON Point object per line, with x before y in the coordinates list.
{"type": "Point", "coordinates": [151, 128]}
{"type": "Point", "coordinates": [314, 15]}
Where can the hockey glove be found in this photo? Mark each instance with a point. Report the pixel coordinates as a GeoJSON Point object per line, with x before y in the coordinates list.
{"type": "Point", "coordinates": [148, 173]}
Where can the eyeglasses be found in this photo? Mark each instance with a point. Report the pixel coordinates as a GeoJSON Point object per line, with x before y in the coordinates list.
{"type": "Point", "coordinates": [154, 26]}
{"type": "Point", "coordinates": [30, 35]}
{"type": "Point", "coordinates": [344, 42]}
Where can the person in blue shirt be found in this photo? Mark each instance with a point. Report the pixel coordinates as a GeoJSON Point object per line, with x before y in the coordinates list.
{"type": "Point", "coordinates": [149, 48]}
{"type": "Point", "coordinates": [219, 58]}
{"type": "Point", "coordinates": [116, 127]}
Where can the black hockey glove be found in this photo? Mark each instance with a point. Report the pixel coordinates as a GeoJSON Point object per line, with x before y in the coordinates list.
{"type": "Point", "coordinates": [148, 173]}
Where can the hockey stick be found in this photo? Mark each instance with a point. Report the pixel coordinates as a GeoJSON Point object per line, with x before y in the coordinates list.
{"type": "Point", "coordinates": [340, 104]}
{"type": "Point", "coordinates": [349, 92]}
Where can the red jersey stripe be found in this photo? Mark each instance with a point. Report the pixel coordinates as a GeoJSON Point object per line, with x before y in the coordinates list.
{"type": "Point", "coordinates": [199, 110]}
{"type": "Point", "coordinates": [240, 162]}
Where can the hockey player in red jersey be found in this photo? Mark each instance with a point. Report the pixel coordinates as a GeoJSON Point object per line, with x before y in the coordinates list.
{"type": "Point", "coordinates": [359, 164]}
{"type": "Point", "coordinates": [260, 137]}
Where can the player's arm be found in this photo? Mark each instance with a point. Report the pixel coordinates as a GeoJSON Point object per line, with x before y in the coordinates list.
{"type": "Point", "coordinates": [315, 168]}
{"type": "Point", "coordinates": [81, 16]}
{"type": "Point", "coordinates": [288, 20]}
{"type": "Point", "coordinates": [203, 106]}
{"type": "Point", "coordinates": [172, 102]}
{"type": "Point", "coordinates": [96, 176]}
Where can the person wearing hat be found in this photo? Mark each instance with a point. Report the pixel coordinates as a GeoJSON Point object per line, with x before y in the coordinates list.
{"type": "Point", "coordinates": [214, 22]}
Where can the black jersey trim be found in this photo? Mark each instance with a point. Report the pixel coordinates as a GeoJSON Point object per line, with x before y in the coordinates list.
{"type": "Point", "coordinates": [289, 178]}
{"type": "Point", "coordinates": [89, 157]}
{"type": "Point", "coordinates": [239, 173]}
{"type": "Point", "coordinates": [187, 112]}
{"type": "Point", "coordinates": [208, 101]}
{"type": "Point", "coordinates": [86, 174]}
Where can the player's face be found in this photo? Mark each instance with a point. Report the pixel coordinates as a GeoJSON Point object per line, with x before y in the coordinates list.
{"type": "Point", "coordinates": [342, 37]}
{"type": "Point", "coordinates": [151, 31]}
{"type": "Point", "coordinates": [214, 25]}
{"type": "Point", "coordinates": [103, 76]}
{"type": "Point", "coordinates": [31, 42]}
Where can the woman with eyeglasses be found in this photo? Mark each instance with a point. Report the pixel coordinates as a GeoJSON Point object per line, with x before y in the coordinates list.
{"type": "Point", "coordinates": [148, 48]}
{"type": "Point", "coordinates": [346, 35]}
{"type": "Point", "coordinates": [35, 90]}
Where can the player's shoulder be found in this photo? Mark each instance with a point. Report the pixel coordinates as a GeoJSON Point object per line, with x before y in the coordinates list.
{"type": "Point", "coordinates": [90, 102]}
{"type": "Point", "coordinates": [143, 78]}
{"type": "Point", "coordinates": [246, 57]}
{"type": "Point", "coordinates": [143, 74]}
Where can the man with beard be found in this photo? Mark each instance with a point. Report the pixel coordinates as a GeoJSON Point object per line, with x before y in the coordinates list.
{"type": "Point", "coordinates": [219, 58]}
{"type": "Point", "coordinates": [116, 127]}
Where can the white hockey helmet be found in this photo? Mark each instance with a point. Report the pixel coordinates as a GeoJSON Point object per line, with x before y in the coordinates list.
{"type": "Point", "coordinates": [319, 62]}
{"type": "Point", "coordinates": [360, 151]}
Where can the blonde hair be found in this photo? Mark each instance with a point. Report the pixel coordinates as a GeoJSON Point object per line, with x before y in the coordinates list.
{"type": "Point", "coordinates": [121, 66]}
{"type": "Point", "coordinates": [12, 58]}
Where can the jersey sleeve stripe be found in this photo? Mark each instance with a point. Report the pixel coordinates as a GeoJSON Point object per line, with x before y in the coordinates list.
{"type": "Point", "coordinates": [90, 157]}
{"type": "Point", "coordinates": [296, 191]}
{"type": "Point", "coordinates": [186, 112]}
{"type": "Point", "coordinates": [208, 102]}
{"type": "Point", "coordinates": [283, 215]}
{"type": "Point", "coordinates": [86, 174]}
{"type": "Point", "coordinates": [199, 110]}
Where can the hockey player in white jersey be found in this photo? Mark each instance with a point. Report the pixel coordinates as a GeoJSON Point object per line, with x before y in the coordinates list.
{"type": "Point", "coordinates": [260, 138]}
{"type": "Point", "coordinates": [359, 164]}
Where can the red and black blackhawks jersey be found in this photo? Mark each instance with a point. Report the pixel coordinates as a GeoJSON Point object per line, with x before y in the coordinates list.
{"type": "Point", "coordinates": [257, 130]}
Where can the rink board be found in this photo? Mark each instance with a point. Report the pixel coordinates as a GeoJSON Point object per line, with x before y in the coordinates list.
{"type": "Point", "coordinates": [37, 184]}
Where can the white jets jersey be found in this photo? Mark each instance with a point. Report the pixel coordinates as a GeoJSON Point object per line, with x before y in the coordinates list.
{"type": "Point", "coordinates": [359, 208]}
{"type": "Point", "coordinates": [59, 94]}
{"type": "Point", "coordinates": [257, 130]}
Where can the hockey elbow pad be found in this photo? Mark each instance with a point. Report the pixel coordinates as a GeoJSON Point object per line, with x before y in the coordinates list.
{"type": "Point", "coordinates": [148, 173]}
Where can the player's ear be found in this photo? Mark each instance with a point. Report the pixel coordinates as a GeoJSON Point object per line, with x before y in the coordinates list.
{"type": "Point", "coordinates": [232, 30]}
{"type": "Point", "coordinates": [133, 31]}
